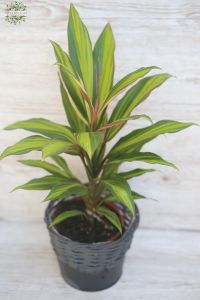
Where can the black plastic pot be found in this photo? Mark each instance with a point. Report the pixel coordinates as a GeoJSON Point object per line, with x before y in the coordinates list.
{"type": "Point", "coordinates": [91, 266]}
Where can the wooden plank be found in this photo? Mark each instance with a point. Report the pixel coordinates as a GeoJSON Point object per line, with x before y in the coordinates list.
{"type": "Point", "coordinates": [160, 265]}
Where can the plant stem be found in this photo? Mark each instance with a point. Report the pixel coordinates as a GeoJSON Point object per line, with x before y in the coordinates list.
{"type": "Point", "coordinates": [90, 201]}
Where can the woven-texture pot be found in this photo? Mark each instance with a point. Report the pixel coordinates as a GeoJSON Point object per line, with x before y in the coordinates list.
{"type": "Point", "coordinates": [91, 266]}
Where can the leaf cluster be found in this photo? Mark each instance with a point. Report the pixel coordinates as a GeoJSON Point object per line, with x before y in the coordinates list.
{"type": "Point", "coordinates": [87, 90]}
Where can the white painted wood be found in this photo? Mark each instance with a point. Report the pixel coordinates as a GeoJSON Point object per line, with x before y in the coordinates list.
{"type": "Point", "coordinates": [164, 260]}
{"type": "Point", "coordinates": [160, 265]}
{"type": "Point", "coordinates": [162, 33]}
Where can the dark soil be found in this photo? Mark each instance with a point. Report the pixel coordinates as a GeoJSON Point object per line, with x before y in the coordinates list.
{"type": "Point", "coordinates": [81, 229]}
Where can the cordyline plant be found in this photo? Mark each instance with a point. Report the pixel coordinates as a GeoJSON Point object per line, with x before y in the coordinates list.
{"type": "Point", "coordinates": [86, 82]}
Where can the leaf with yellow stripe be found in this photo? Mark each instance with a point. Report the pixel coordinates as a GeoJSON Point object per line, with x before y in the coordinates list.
{"type": "Point", "coordinates": [89, 141]}
{"type": "Point", "coordinates": [80, 49]}
{"type": "Point", "coordinates": [62, 163]}
{"type": "Point", "coordinates": [54, 147]}
{"type": "Point", "coordinates": [103, 55]}
{"type": "Point", "coordinates": [134, 173]}
{"type": "Point", "coordinates": [78, 114]}
{"type": "Point", "coordinates": [112, 198]}
{"type": "Point", "coordinates": [51, 168]}
{"type": "Point", "coordinates": [121, 190]}
{"type": "Point", "coordinates": [35, 142]}
{"type": "Point", "coordinates": [76, 90]}
{"type": "Point", "coordinates": [138, 93]}
{"type": "Point", "coordinates": [40, 184]}
{"type": "Point", "coordinates": [63, 59]}
{"type": "Point", "coordinates": [66, 189]}
{"type": "Point", "coordinates": [147, 157]}
{"type": "Point", "coordinates": [110, 168]}
{"type": "Point", "coordinates": [76, 123]}
{"type": "Point", "coordinates": [66, 215]}
{"type": "Point", "coordinates": [141, 136]}
{"type": "Point", "coordinates": [111, 216]}
{"type": "Point", "coordinates": [44, 127]}
{"type": "Point", "coordinates": [129, 79]}
{"type": "Point", "coordinates": [123, 121]}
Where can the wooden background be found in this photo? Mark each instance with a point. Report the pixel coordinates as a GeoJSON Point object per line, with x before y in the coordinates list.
{"type": "Point", "coordinates": [164, 262]}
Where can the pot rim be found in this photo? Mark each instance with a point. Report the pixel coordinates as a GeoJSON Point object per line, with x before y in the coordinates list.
{"type": "Point", "coordinates": [47, 219]}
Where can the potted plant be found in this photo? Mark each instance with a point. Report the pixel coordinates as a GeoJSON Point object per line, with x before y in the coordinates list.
{"type": "Point", "coordinates": [91, 224]}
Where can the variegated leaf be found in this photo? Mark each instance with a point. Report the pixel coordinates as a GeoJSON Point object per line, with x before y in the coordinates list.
{"type": "Point", "coordinates": [54, 147]}
{"type": "Point", "coordinates": [40, 184]}
{"type": "Point", "coordinates": [111, 216]}
{"type": "Point", "coordinates": [35, 142]}
{"type": "Point", "coordinates": [103, 64]}
{"type": "Point", "coordinates": [128, 80]}
{"type": "Point", "coordinates": [121, 189]}
{"type": "Point", "coordinates": [80, 49]}
{"type": "Point", "coordinates": [66, 215]}
{"type": "Point", "coordinates": [147, 157]}
{"type": "Point", "coordinates": [141, 136]}
{"type": "Point", "coordinates": [71, 187]}
{"type": "Point", "coordinates": [44, 127]}
{"type": "Point", "coordinates": [89, 141]}
{"type": "Point", "coordinates": [63, 164]}
{"type": "Point", "coordinates": [123, 121]}
{"type": "Point", "coordinates": [45, 166]}
{"type": "Point", "coordinates": [134, 173]}
{"type": "Point", "coordinates": [63, 59]}
{"type": "Point", "coordinates": [138, 93]}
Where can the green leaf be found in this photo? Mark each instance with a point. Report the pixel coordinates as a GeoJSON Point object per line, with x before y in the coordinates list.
{"type": "Point", "coordinates": [103, 64]}
{"type": "Point", "coordinates": [73, 150]}
{"type": "Point", "coordinates": [112, 198]}
{"type": "Point", "coordinates": [141, 136]}
{"type": "Point", "coordinates": [76, 108]}
{"type": "Point", "coordinates": [77, 92]}
{"type": "Point", "coordinates": [121, 189]}
{"type": "Point", "coordinates": [89, 141]}
{"type": "Point", "coordinates": [123, 121]}
{"type": "Point", "coordinates": [111, 216]}
{"type": "Point", "coordinates": [46, 166]}
{"type": "Point", "coordinates": [147, 157]}
{"type": "Point", "coordinates": [43, 183]}
{"type": "Point", "coordinates": [66, 215]}
{"type": "Point", "coordinates": [138, 93]}
{"type": "Point", "coordinates": [128, 80]}
{"type": "Point", "coordinates": [75, 123]}
{"type": "Point", "coordinates": [62, 163]}
{"type": "Point", "coordinates": [71, 187]}
{"type": "Point", "coordinates": [110, 168]}
{"type": "Point", "coordinates": [80, 49]}
{"type": "Point", "coordinates": [134, 173]}
{"type": "Point", "coordinates": [26, 145]}
{"type": "Point", "coordinates": [76, 80]}
{"type": "Point", "coordinates": [102, 120]}
{"type": "Point", "coordinates": [135, 117]}
{"type": "Point", "coordinates": [54, 147]}
{"type": "Point", "coordinates": [45, 127]}
{"type": "Point", "coordinates": [136, 195]}
{"type": "Point", "coordinates": [68, 74]}
{"type": "Point", "coordinates": [62, 57]}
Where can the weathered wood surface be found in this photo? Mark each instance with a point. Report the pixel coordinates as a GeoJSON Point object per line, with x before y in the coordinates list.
{"type": "Point", "coordinates": [163, 34]}
{"type": "Point", "coordinates": [162, 264]}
